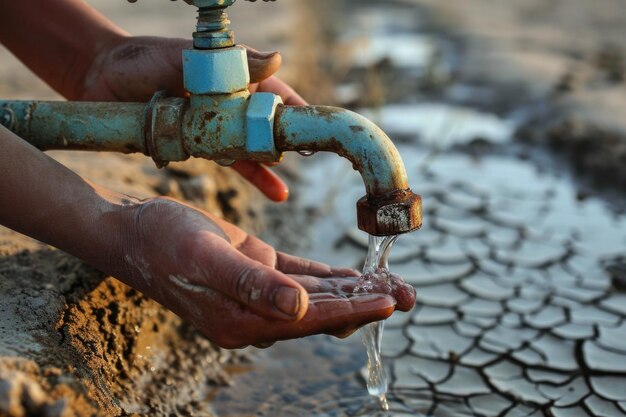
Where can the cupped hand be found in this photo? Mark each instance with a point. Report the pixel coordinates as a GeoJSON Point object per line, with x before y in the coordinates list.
{"type": "Point", "coordinates": [134, 68]}
{"type": "Point", "coordinates": [235, 288]}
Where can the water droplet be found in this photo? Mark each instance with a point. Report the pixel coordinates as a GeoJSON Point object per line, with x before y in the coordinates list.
{"type": "Point", "coordinates": [306, 153]}
{"type": "Point", "coordinates": [225, 162]}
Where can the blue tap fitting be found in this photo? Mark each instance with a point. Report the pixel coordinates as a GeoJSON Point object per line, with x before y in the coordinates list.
{"type": "Point", "coordinates": [215, 71]}
{"type": "Point", "coordinates": [217, 76]}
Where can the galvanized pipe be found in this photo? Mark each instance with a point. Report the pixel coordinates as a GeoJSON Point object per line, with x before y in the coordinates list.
{"type": "Point", "coordinates": [114, 127]}
{"type": "Point", "coordinates": [389, 207]}
{"type": "Point", "coordinates": [228, 127]}
{"type": "Point", "coordinates": [348, 134]}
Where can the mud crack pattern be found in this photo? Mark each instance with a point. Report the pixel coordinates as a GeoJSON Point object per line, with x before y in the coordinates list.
{"type": "Point", "coordinates": [521, 303]}
{"type": "Point", "coordinates": [521, 279]}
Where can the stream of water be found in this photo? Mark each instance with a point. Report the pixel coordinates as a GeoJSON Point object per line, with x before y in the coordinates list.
{"type": "Point", "coordinates": [376, 278]}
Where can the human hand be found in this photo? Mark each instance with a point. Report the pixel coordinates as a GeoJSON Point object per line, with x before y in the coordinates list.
{"type": "Point", "coordinates": [235, 288]}
{"type": "Point", "coordinates": [134, 68]}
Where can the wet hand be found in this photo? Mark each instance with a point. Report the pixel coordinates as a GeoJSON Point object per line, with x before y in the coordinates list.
{"type": "Point", "coordinates": [134, 68]}
{"type": "Point", "coordinates": [233, 287]}
{"type": "Point", "coordinates": [382, 281]}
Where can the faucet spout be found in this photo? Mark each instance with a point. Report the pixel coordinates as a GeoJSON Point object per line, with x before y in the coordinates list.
{"type": "Point", "coordinates": [389, 206]}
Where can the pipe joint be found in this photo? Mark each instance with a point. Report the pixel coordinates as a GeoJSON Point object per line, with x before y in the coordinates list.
{"type": "Point", "coordinates": [260, 127]}
{"type": "Point", "coordinates": [397, 212]}
{"type": "Point", "coordinates": [163, 129]}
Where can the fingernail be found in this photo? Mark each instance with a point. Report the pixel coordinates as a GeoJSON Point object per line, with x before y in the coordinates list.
{"type": "Point", "coordinates": [287, 300]}
{"type": "Point", "coordinates": [262, 55]}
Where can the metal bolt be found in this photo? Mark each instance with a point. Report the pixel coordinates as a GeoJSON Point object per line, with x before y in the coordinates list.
{"type": "Point", "coordinates": [212, 29]}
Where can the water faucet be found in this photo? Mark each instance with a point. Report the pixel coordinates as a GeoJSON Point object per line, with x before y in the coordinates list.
{"type": "Point", "coordinates": [222, 121]}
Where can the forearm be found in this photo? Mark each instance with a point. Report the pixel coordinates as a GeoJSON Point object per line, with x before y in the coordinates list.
{"type": "Point", "coordinates": [56, 39]}
{"type": "Point", "coordinates": [41, 198]}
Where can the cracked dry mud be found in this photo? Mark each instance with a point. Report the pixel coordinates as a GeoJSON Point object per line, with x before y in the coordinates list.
{"type": "Point", "coordinates": [519, 310]}
{"type": "Point", "coordinates": [520, 275]}
{"type": "Point", "coordinates": [521, 305]}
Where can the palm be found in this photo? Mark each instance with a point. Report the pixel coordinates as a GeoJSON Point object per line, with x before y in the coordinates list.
{"type": "Point", "coordinates": [225, 281]}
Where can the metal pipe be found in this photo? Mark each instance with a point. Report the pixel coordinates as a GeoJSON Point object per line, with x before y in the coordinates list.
{"type": "Point", "coordinates": [229, 127]}
{"type": "Point", "coordinates": [115, 127]}
{"type": "Point", "coordinates": [348, 134]}
{"type": "Point", "coordinates": [153, 128]}
{"type": "Point", "coordinates": [390, 207]}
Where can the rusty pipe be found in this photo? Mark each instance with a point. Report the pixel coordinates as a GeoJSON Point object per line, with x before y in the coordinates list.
{"type": "Point", "coordinates": [114, 127]}
{"type": "Point", "coordinates": [389, 207]}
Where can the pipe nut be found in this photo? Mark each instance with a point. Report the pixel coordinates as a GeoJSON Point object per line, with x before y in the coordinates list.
{"type": "Point", "coordinates": [260, 127]}
{"type": "Point", "coordinates": [163, 130]}
{"type": "Point", "coordinates": [220, 71]}
{"type": "Point", "coordinates": [391, 214]}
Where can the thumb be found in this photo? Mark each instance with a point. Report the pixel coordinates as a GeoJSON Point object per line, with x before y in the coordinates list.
{"type": "Point", "coordinates": [262, 65]}
{"type": "Point", "coordinates": [265, 290]}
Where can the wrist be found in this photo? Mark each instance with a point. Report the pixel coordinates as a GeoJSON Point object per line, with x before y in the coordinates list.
{"type": "Point", "coordinates": [102, 231]}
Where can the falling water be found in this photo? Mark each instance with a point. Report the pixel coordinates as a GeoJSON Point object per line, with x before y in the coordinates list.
{"type": "Point", "coordinates": [375, 278]}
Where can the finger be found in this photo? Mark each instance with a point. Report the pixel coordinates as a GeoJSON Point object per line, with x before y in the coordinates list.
{"type": "Point", "coordinates": [339, 286]}
{"type": "Point", "coordinates": [264, 179]}
{"type": "Point", "coordinates": [344, 334]}
{"type": "Point", "coordinates": [276, 86]}
{"type": "Point", "coordinates": [264, 290]}
{"type": "Point", "coordinates": [232, 326]}
{"type": "Point", "coordinates": [330, 314]}
{"type": "Point", "coordinates": [262, 65]}
{"type": "Point", "coordinates": [290, 264]}
{"type": "Point", "coordinates": [404, 293]}
{"type": "Point", "coordinates": [170, 79]}
{"type": "Point", "coordinates": [255, 248]}
{"type": "Point", "coordinates": [345, 272]}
